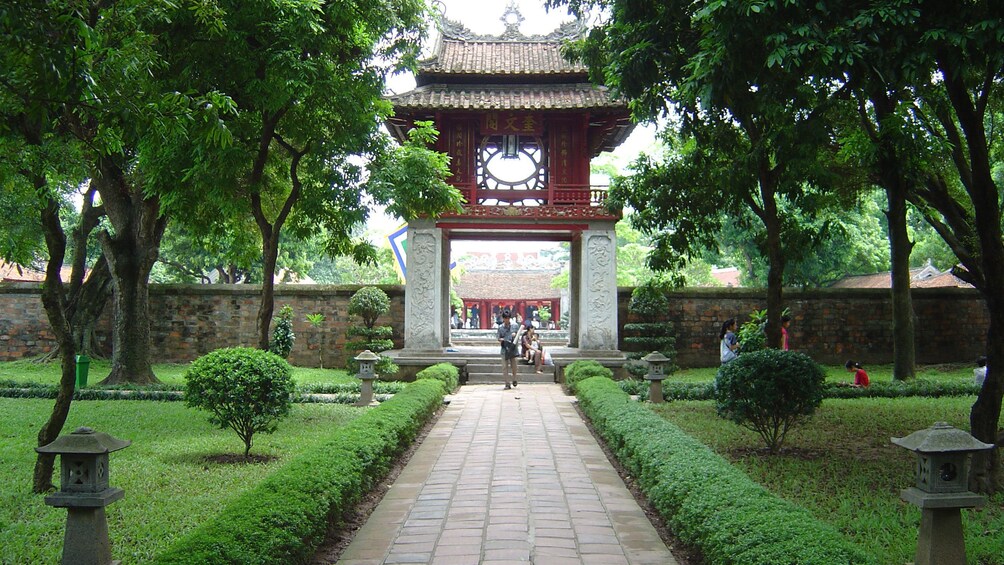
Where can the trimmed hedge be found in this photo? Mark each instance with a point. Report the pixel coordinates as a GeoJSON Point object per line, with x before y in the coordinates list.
{"type": "Point", "coordinates": [583, 369]}
{"type": "Point", "coordinates": [345, 393]}
{"type": "Point", "coordinates": [446, 373]}
{"type": "Point", "coordinates": [285, 517]}
{"type": "Point", "coordinates": [706, 501]}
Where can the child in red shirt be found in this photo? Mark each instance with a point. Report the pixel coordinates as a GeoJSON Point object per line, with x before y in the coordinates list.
{"type": "Point", "coordinates": [860, 376]}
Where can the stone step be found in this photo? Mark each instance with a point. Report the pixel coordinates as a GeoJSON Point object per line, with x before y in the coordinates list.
{"type": "Point", "coordinates": [496, 378]}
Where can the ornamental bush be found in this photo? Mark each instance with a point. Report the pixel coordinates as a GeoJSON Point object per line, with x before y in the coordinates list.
{"type": "Point", "coordinates": [369, 303]}
{"type": "Point", "coordinates": [580, 370]}
{"type": "Point", "coordinates": [282, 334]}
{"type": "Point", "coordinates": [244, 389]}
{"type": "Point", "coordinates": [769, 391]}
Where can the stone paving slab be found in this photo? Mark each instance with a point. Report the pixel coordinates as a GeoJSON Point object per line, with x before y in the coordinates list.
{"type": "Point", "coordinates": [508, 476]}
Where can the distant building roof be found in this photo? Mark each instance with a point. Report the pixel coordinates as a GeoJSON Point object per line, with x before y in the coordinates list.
{"type": "Point", "coordinates": [10, 272]}
{"type": "Point", "coordinates": [927, 276]}
{"type": "Point", "coordinates": [728, 276]}
{"type": "Point", "coordinates": [500, 58]}
{"type": "Point", "coordinates": [507, 285]}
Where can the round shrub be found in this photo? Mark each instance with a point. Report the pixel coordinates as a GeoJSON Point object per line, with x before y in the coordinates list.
{"type": "Point", "coordinates": [244, 389]}
{"type": "Point", "coordinates": [769, 391]}
{"type": "Point", "coordinates": [578, 371]}
{"type": "Point", "coordinates": [369, 303]}
{"type": "Point", "coordinates": [649, 301]}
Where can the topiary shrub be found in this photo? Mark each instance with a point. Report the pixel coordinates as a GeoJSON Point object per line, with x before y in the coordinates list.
{"type": "Point", "coordinates": [369, 303]}
{"type": "Point", "coordinates": [769, 391]}
{"type": "Point", "coordinates": [652, 332]}
{"type": "Point", "coordinates": [282, 334]}
{"type": "Point", "coordinates": [578, 371]}
{"type": "Point", "coordinates": [244, 389]}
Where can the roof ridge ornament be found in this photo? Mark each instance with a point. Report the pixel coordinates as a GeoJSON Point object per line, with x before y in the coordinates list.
{"type": "Point", "coordinates": [512, 18]}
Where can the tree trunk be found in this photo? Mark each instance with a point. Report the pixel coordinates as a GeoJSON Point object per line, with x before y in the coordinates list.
{"type": "Point", "coordinates": [267, 306]}
{"type": "Point", "coordinates": [900, 246]}
{"type": "Point", "coordinates": [775, 258]}
{"type": "Point", "coordinates": [54, 303]}
{"type": "Point", "coordinates": [987, 474]}
{"type": "Point", "coordinates": [131, 252]}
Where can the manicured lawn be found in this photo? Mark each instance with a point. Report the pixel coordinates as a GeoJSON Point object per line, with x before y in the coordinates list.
{"type": "Point", "coordinates": [48, 373]}
{"type": "Point", "coordinates": [169, 485]}
{"type": "Point", "coordinates": [842, 467]}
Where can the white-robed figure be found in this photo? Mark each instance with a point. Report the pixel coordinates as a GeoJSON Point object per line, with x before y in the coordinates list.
{"type": "Point", "coordinates": [508, 334]}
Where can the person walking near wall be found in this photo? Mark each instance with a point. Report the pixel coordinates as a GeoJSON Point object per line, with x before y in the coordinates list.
{"type": "Point", "coordinates": [729, 342]}
{"type": "Point", "coordinates": [508, 335]}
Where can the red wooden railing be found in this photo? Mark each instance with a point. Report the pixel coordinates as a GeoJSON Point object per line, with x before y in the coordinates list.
{"type": "Point", "coordinates": [555, 195]}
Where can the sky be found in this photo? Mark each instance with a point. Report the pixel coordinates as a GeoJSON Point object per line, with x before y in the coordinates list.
{"type": "Point", "coordinates": [485, 17]}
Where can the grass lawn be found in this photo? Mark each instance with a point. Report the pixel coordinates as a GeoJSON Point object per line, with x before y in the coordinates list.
{"type": "Point", "coordinates": [48, 373]}
{"type": "Point", "coordinates": [842, 467]}
{"type": "Point", "coordinates": [169, 485]}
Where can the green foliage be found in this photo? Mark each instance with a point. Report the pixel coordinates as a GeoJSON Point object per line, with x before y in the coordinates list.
{"type": "Point", "coordinates": [244, 389]}
{"type": "Point", "coordinates": [583, 369]}
{"type": "Point", "coordinates": [285, 517]}
{"type": "Point", "coordinates": [369, 303]}
{"type": "Point", "coordinates": [707, 502]}
{"type": "Point", "coordinates": [446, 373]}
{"type": "Point", "coordinates": [769, 391]}
{"type": "Point", "coordinates": [649, 302]}
{"type": "Point", "coordinates": [282, 334]}
{"type": "Point", "coordinates": [545, 315]}
{"type": "Point", "coordinates": [751, 333]}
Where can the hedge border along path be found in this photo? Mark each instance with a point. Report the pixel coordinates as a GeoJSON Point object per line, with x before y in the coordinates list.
{"type": "Point", "coordinates": [285, 517]}
{"type": "Point", "coordinates": [706, 501]}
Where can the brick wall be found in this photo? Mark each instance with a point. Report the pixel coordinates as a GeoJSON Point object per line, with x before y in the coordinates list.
{"type": "Point", "coordinates": [188, 321]}
{"type": "Point", "coordinates": [831, 325]}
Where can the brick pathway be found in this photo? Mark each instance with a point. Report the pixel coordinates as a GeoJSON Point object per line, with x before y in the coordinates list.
{"type": "Point", "coordinates": [508, 477]}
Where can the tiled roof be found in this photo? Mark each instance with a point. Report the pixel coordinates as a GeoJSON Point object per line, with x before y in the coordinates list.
{"type": "Point", "coordinates": [499, 58]}
{"type": "Point", "coordinates": [507, 97]}
{"type": "Point", "coordinates": [923, 277]}
{"type": "Point", "coordinates": [507, 285]}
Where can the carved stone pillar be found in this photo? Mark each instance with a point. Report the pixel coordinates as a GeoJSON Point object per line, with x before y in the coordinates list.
{"type": "Point", "coordinates": [424, 307]}
{"type": "Point", "coordinates": [574, 280]}
{"type": "Point", "coordinates": [597, 296]}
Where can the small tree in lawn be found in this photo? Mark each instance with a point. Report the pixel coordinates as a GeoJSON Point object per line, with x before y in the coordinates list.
{"type": "Point", "coordinates": [247, 390]}
{"type": "Point", "coordinates": [282, 335]}
{"type": "Point", "coordinates": [769, 391]}
{"type": "Point", "coordinates": [316, 320]}
{"type": "Point", "coordinates": [652, 332]}
{"type": "Point", "coordinates": [369, 303]}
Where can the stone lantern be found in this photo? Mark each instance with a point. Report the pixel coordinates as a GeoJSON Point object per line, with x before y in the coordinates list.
{"type": "Point", "coordinates": [656, 373]}
{"type": "Point", "coordinates": [84, 492]}
{"type": "Point", "coordinates": [941, 490]}
{"type": "Point", "coordinates": [367, 374]}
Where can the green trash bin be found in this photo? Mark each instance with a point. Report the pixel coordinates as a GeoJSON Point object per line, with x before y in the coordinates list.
{"type": "Point", "coordinates": [83, 364]}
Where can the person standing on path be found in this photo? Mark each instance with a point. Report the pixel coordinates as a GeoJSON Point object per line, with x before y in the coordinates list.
{"type": "Point", "coordinates": [508, 334]}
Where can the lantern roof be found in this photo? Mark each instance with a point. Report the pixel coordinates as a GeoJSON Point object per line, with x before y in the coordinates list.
{"type": "Point", "coordinates": [84, 440]}
{"type": "Point", "coordinates": [941, 438]}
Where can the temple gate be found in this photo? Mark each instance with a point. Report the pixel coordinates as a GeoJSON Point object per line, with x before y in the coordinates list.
{"type": "Point", "coordinates": [520, 125]}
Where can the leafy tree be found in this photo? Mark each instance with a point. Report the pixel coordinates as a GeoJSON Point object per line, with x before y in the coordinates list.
{"type": "Point", "coordinates": [344, 270]}
{"type": "Point", "coordinates": [769, 391]}
{"type": "Point", "coordinates": [244, 389]}
{"type": "Point", "coordinates": [751, 137]}
{"type": "Point", "coordinates": [308, 78]}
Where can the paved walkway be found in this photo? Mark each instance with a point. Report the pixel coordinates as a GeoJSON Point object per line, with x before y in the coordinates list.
{"type": "Point", "coordinates": [508, 477]}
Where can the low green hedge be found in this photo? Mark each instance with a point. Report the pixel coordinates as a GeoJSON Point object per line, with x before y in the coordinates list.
{"type": "Point", "coordinates": [917, 387]}
{"type": "Point", "coordinates": [285, 517]}
{"type": "Point", "coordinates": [446, 373]}
{"type": "Point", "coordinates": [578, 371]}
{"type": "Point", "coordinates": [706, 501]}
{"type": "Point", "coordinates": [342, 393]}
